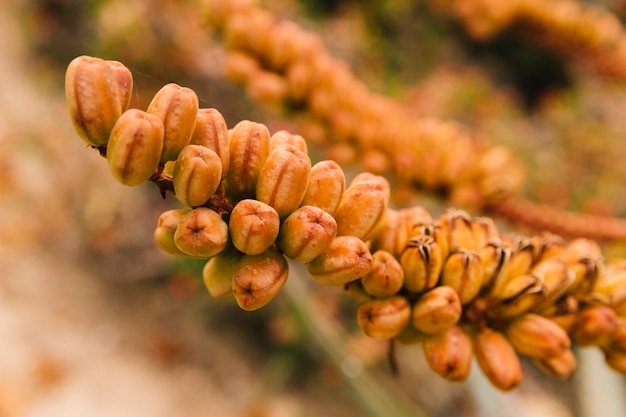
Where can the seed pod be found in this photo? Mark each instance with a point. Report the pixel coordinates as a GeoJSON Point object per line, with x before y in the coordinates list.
{"type": "Point", "coordinates": [201, 233]}
{"type": "Point", "coordinates": [249, 147]}
{"type": "Point", "coordinates": [612, 284]}
{"type": "Point", "coordinates": [497, 359]}
{"type": "Point", "coordinates": [463, 272]}
{"type": "Point", "coordinates": [197, 174]}
{"type": "Point", "coordinates": [386, 237]}
{"type": "Point", "coordinates": [253, 226]}
{"type": "Point", "coordinates": [362, 208]}
{"type": "Point", "coordinates": [218, 273]}
{"type": "Point", "coordinates": [211, 131]}
{"type": "Point", "coordinates": [584, 257]}
{"type": "Point", "coordinates": [522, 258]}
{"type": "Point", "coordinates": [537, 337]}
{"type": "Point", "coordinates": [386, 276]}
{"type": "Point", "coordinates": [547, 246]}
{"type": "Point", "coordinates": [495, 258]}
{"type": "Point", "coordinates": [166, 227]}
{"type": "Point", "coordinates": [483, 229]}
{"type": "Point", "coordinates": [556, 277]}
{"type": "Point", "coordinates": [449, 353]}
{"type": "Point", "coordinates": [437, 310]}
{"type": "Point", "coordinates": [134, 147]}
{"type": "Point", "coordinates": [594, 326]}
{"type": "Point", "coordinates": [422, 263]}
{"type": "Point", "coordinates": [97, 92]}
{"type": "Point", "coordinates": [520, 295]}
{"type": "Point", "coordinates": [383, 318]}
{"type": "Point", "coordinates": [437, 232]}
{"type": "Point", "coordinates": [281, 180]}
{"type": "Point", "coordinates": [346, 259]}
{"type": "Point", "coordinates": [283, 137]}
{"type": "Point", "coordinates": [560, 367]}
{"type": "Point", "coordinates": [307, 233]}
{"type": "Point", "coordinates": [259, 278]}
{"type": "Point", "coordinates": [326, 186]}
{"type": "Point", "coordinates": [458, 226]}
{"type": "Point", "coordinates": [177, 107]}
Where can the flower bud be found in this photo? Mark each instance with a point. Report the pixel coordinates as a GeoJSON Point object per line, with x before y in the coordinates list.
{"type": "Point", "coordinates": [422, 263]}
{"type": "Point", "coordinates": [463, 271]}
{"type": "Point", "coordinates": [547, 246]}
{"type": "Point", "coordinates": [537, 337]}
{"type": "Point", "coordinates": [458, 226]}
{"type": "Point", "coordinates": [134, 147]}
{"type": "Point", "coordinates": [497, 359]}
{"type": "Point", "coordinates": [97, 92]}
{"type": "Point", "coordinates": [522, 257]}
{"type": "Point", "coordinates": [584, 257]}
{"type": "Point", "coordinates": [197, 174]}
{"type": "Point", "coordinates": [384, 318]}
{"type": "Point", "coordinates": [386, 276]}
{"type": "Point", "coordinates": [283, 137]}
{"type": "Point", "coordinates": [483, 230]}
{"type": "Point", "coordinates": [281, 180]}
{"type": "Point", "coordinates": [594, 326]}
{"type": "Point", "coordinates": [218, 273]}
{"type": "Point", "coordinates": [177, 107]}
{"type": "Point", "coordinates": [449, 353]}
{"type": "Point", "coordinates": [519, 295]}
{"type": "Point", "coordinates": [437, 310]}
{"type": "Point", "coordinates": [560, 366]}
{"type": "Point", "coordinates": [557, 278]}
{"type": "Point", "coordinates": [307, 233]}
{"type": "Point", "coordinates": [201, 233]}
{"type": "Point", "coordinates": [166, 227]}
{"type": "Point", "coordinates": [258, 279]}
{"type": "Point", "coordinates": [346, 260]}
{"type": "Point", "coordinates": [211, 131]}
{"type": "Point", "coordinates": [495, 258]}
{"type": "Point", "coordinates": [362, 208]}
{"type": "Point", "coordinates": [249, 146]}
{"type": "Point", "coordinates": [253, 226]}
{"type": "Point", "coordinates": [326, 186]}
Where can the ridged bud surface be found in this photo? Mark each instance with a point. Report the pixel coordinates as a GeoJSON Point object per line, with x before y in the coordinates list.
{"type": "Point", "coordinates": [177, 107]}
{"type": "Point", "coordinates": [497, 359]}
{"type": "Point", "coordinates": [201, 233]}
{"type": "Point", "coordinates": [449, 353]}
{"type": "Point", "coordinates": [346, 259]}
{"type": "Point", "coordinates": [211, 131]}
{"type": "Point", "coordinates": [537, 337]}
{"type": "Point", "coordinates": [135, 147]}
{"type": "Point", "coordinates": [307, 233]}
{"type": "Point", "coordinates": [383, 318]}
{"type": "Point", "coordinates": [386, 276]}
{"type": "Point", "coordinates": [422, 263]}
{"type": "Point", "coordinates": [560, 367]}
{"type": "Point", "coordinates": [197, 174]}
{"type": "Point", "coordinates": [257, 279]}
{"type": "Point", "coordinates": [166, 227]}
{"type": "Point", "coordinates": [253, 226]}
{"type": "Point", "coordinates": [281, 181]}
{"type": "Point", "coordinates": [463, 271]}
{"type": "Point", "coordinates": [97, 92]}
{"type": "Point", "coordinates": [218, 273]}
{"type": "Point", "coordinates": [436, 310]}
{"type": "Point", "coordinates": [249, 145]}
{"type": "Point", "coordinates": [327, 183]}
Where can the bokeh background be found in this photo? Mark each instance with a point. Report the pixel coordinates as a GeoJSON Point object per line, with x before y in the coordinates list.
{"type": "Point", "coordinates": [94, 320]}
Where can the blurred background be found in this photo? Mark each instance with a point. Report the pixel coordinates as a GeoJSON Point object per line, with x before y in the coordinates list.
{"type": "Point", "coordinates": [95, 320]}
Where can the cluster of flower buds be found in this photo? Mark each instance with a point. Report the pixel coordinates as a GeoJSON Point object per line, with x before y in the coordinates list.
{"type": "Point", "coordinates": [589, 32]}
{"type": "Point", "coordinates": [253, 200]}
{"type": "Point", "coordinates": [279, 62]}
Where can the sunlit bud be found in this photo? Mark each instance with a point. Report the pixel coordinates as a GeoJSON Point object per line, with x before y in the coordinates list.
{"type": "Point", "coordinates": [612, 284]}
{"type": "Point", "coordinates": [495, 258]}
{"type": "Point", "coordinates": [257, 279]}
{"type": "Point", "coordinates": [537, 337]}
{"type": "Point", "coordinates": [497, 359]}
{"type": "Point", "coordinates": [422, 263]}
{"type": "Point", "coordinates": [197, 174]}
{"type": "Point", "coordinates": [594, 326]}
{"type": "Point", "coordinates": [557, 277]}
{"type": "Point", "coordinates": [386, 276]}
{"type": "Point", "coordinates": [347, 259]}
{"type": "Point", "coordinates": [519, 295]}
{"type": "Point", "coordinates": [458, 226]}
{"type": "Point", "coordinates": [249, 148]}
{"type": "Point", "coordinates": [326, 186]}
{"type": "Point", "coordinates": [436, 310]}
{"type": "Point", "coordinates": [463, 271]}
{"type": "Point", "coordinates": [218, 273]}
{"type": "Point", "coordinates": [437, 232]}
{"type": "Point", "coordinates": [307, 233]}
{"type": "Point", "coordinates": [283, 137]}
{"type": "Point", "coordinates": [483, 229]}
{"type": "Point", "coordinates": [522, 255]}
{"type": "Point", "coordinates": [362, 208]}
{"type": "Point", "coordinates": [97, 92]}
{"type": "Point", "coordinates": [282, 179]}
{"type": "Point", "coordinates": [211, 131]}
{"type": "Point", "coordinates": [253, 226]}
{"type": "Point", "coordinates": [201, 233]}
{"type": "Point", "coordinates": [134, 147]}
{"type": "Point", "coordinates": [547, 246]}
{"type": "Point", "coordinates": [449, 353]}
{"type": "Point", "coordinates": [583, 256]}
{"type": "Point", "coordinates": [383, 318]}
{"type": "Point", "coordinates": [166, 227]}
{"type": "Point", "coordinates": [560, 367]}
{"type": "Point", "coordinates": [177, 107]}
